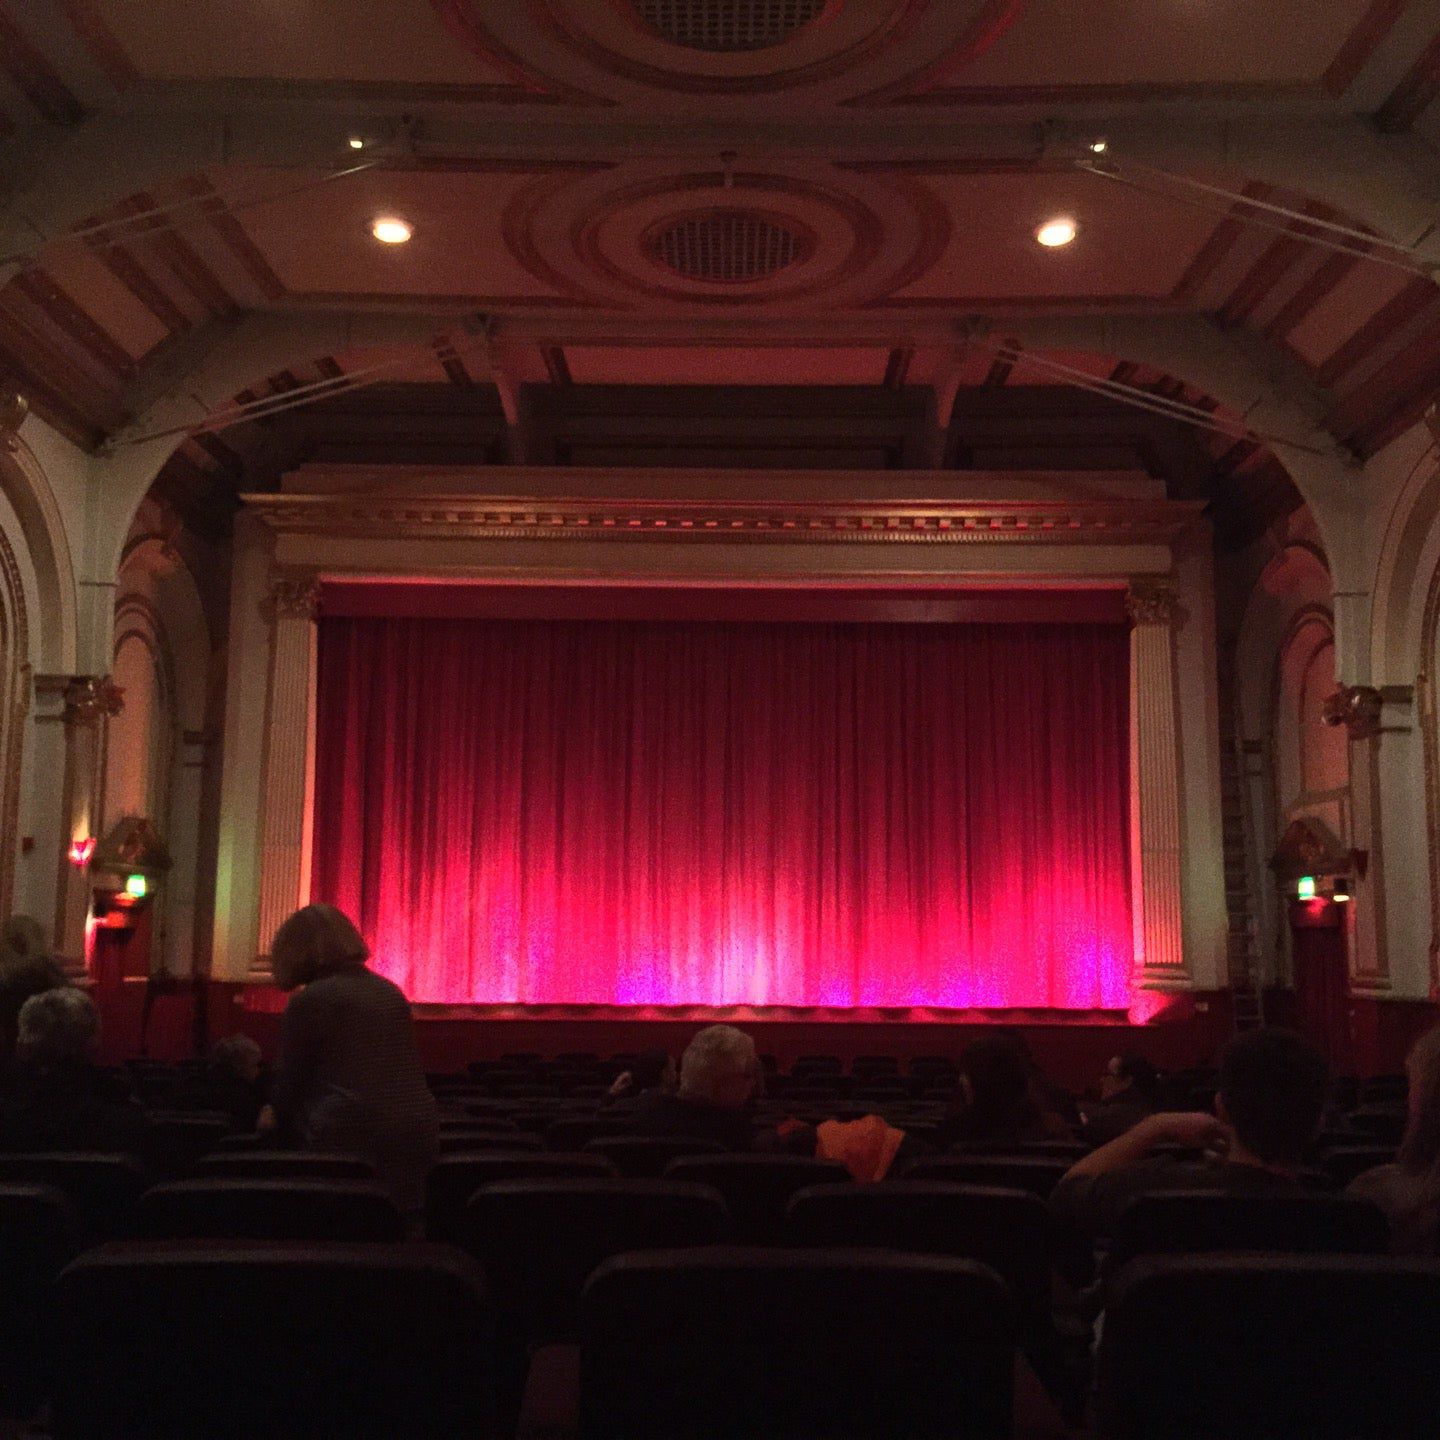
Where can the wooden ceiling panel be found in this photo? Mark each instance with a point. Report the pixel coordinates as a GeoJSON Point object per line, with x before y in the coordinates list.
{"type": "Point", "coordinates": [1338, 315]}
{"type": "Point", "coordinates": [319, 243]}
{"type": "Point", "coordinates": [1169, 42]}
{"type": "Point", "coordinates": [614, 365]}
{"type": "Point", "coordinates": [113, 307]}
{"type": "Point", "coordinates": [400, 41]}
{"type": "Point", "coordinates": [1130, 244]}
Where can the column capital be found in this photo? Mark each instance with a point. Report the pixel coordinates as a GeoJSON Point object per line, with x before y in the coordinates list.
{"type": "Point", "coordinates": [294, 596]}
{"type": "Point", "coordinates": [1153, 602]}
{"type": "Point", "coordinates": [84, 700]}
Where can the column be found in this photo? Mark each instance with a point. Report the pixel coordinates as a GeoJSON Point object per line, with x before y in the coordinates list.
{"type": "Point", "coordinates": [284, 871]}
{"type": "Point", "coordinates": [181, 942]}
{"type": "Point", "coordinates": [1156, 849]}
{"type": "Point", "coordinates": [81, 704]}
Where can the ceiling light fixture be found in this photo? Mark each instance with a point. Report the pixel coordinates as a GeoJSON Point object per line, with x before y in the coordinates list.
{"type": "Point", "coordinates": [1059, 231]}
{"type": "Point", "coordinates": [391, 229]}
{"type": "Point", "coordinates": [356, 142]}
{"type": "Point", "coordinates": [1096, 147]}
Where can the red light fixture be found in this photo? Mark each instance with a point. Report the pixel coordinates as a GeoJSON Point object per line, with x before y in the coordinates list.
{"type": "Point", "coordinates": [81, 851]}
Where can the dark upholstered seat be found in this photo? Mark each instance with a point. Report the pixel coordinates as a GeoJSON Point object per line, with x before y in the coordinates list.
{"type": "Point", "coordinates": [768, 1343]}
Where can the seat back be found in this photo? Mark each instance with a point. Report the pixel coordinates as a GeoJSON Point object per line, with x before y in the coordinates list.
{"type": "Point", "coordinates": [1008, 1230]}
{"type": "Point", "coordinates": [1342, 1163]}
{"type": "Point", "coordinates": [576, 1131]}
{"type": "Point", "coordinates": [1180, 1222]}
{"type": "Point", "coordinates": [1038, 1175]}
{"type": "Point", "coordinates": [456, 1142]}
{"type": "Point", "coordinates": [762, 1343]}
{"type": "Point", "coordinates": [244, 1339]}
{"type": "Point", "coordinates": [40, 1233]}
{"type": "Point", "coordinates": [645, 1157]}
{"type": "Point", "coordinates": [175, 1141]}
{"type": "Point", "coordinates": [757, 1188]}
{"type": "Point", "coordinates": [350, 1210]}
{"type": "Point", "coordinates": [539, 1240]}
{"type": "Point", "coordinates": [1315, 1347]}
{"type": "Point", "coordinates": [453, 1179]}
{"type": "Point", "coordinates": [102, 1187]}
{"type": "Point", "coordinates": [283, 1165]}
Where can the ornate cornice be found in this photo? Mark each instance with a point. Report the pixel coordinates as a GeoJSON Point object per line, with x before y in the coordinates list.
{"type": "Point", "coordinates": [1153, 603]}
{"type": "Point", "coordinates": [449, 517]}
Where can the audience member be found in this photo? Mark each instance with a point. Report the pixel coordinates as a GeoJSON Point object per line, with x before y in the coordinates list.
{"type": "Point", "coordinates": [348, 1075]}
{"type": "Point", "coordinates": [1129, 1092]}
{"type": "Point", "coordinates": [996, 1102]}
{"type": "Point", "coordinates": [1271, 1097]}
{"type": "Point", "coordinates": [1409, 1190]}
{"type": "Point", "coordinates": [26, 969]}
{"type": "Point", "coordinates": [719, 1084]}
{"type": "Point", "coordinates": [56, 1099]}
{"type": "Point", "coordinates": [236, 1080]}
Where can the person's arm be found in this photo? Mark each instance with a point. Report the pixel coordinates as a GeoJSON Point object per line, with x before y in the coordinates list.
{"type": "Point", "coordinates": [1169, 1128]}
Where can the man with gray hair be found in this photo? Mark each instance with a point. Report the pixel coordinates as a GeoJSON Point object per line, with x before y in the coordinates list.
{"type": "Point", "coordinates": [55, 1098]}
{"type": "Point", "coordinates": [719, 1084]}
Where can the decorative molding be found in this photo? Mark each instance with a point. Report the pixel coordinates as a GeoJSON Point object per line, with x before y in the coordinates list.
{"type": "Point", "coordinates": [1153, 603]}
{"type": "Point", "coordinates": [14, 407]}
{"type": "Point", "coordinates": [89, 699]}
{"type": "Point", "coordinates": [1358, 708]}
{"type": "Point", "coordinates": [295, 597]}
{"type": "Point", "coordinates": [450, 517]}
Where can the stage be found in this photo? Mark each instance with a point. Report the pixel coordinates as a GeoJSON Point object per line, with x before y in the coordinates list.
{"type": "Point", "coordinates": [1073, 1045]}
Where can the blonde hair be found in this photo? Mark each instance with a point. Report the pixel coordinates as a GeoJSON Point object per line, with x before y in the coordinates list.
{"type": "Point", "coordinates": [314, 940]}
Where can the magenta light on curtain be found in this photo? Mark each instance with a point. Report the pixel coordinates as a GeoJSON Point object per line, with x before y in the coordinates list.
{"type": "Point", "coordinates": [558, 812]}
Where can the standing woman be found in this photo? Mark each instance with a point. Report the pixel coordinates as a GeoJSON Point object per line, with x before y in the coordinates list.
{"type": "Point", "coordinates": [348, 1075]}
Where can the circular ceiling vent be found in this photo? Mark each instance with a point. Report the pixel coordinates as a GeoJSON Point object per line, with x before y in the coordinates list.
{"type": "Point", "coordinates": [727, 247]}
{"type": "Point", "coordinates": [727, 26]}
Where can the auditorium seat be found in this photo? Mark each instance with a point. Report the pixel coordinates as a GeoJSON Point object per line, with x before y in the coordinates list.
{"type": "Point", "coordinates": [1177, 1222]}
{"type": "Point", "coordinates": [348, 1210]}
{"type": "Point", "coordinates": [1313, 1347]}
{"type": "Point", "coordinates": [1384, 1090]}
{"type": "Point", "coordinates": [769, 1343]}
{"type": "Point", "coordinates": [644, 1157]}
{"type": "Point", "coordinates": [454, 1142]}
{"type": "Point", "coordinates": [284, 1165]}
{"type": "Point", "coordinates": [40, 1233]}
{"type": "Point", "coordinates": [1008, 1230]}
{"type": "Point", "coordinates": [455, 1178]}
{"type": "Point", "coordinates": [1380, 1124]}
{"type": "Point", "coordinates": [174, 1141]}
{"type": "Point", "coordinates": [1008, 1171]}
{"type": "Point", "coordinates": [757, 1188]}
{"type": "Point", "coordinates": [538, 1240]}
{"type": "Point", "coordinates": [575, 1132]}
{"type": "Point", "coordinates": [1344, 1162]}
{"type": "Point", "coordinates": [103, 1188]}
{"type": "Point", "coordinates": [231, 1341]}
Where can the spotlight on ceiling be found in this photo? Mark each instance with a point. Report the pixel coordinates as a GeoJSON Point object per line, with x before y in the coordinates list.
{"type": "Point", "coordinates": [1098, 147]}
{"type": "Point", "coordinates": [391, 229]}
{"type": "Point", "coordinates": [1059, 231]}
{"type": "Point", "coordinates": [357, 142]}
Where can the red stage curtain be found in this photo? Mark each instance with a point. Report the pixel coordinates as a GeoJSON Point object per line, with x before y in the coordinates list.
{"type": "Point", "coordinates": [556, 812]}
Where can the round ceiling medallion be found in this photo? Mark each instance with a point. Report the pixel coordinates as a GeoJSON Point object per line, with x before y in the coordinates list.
{"type": "Point", "coordinates": [727, 247]}
{"type": "Point", "coordinates": [728, 26]}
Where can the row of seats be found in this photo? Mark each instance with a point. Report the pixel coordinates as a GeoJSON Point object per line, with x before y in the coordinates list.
{"type": "Point", "coordinates": [247, 1339]}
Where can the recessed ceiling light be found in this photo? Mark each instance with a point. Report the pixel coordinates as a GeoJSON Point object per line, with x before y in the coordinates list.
{"type": "Point", "coordinates": [356, 142]}
{"type": "Point", "coordinates": [391, 230]}
{"type": "Point", "coordinates": [1099, 147]}
{"type": "Point", "coordinates": [1054, 233]}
